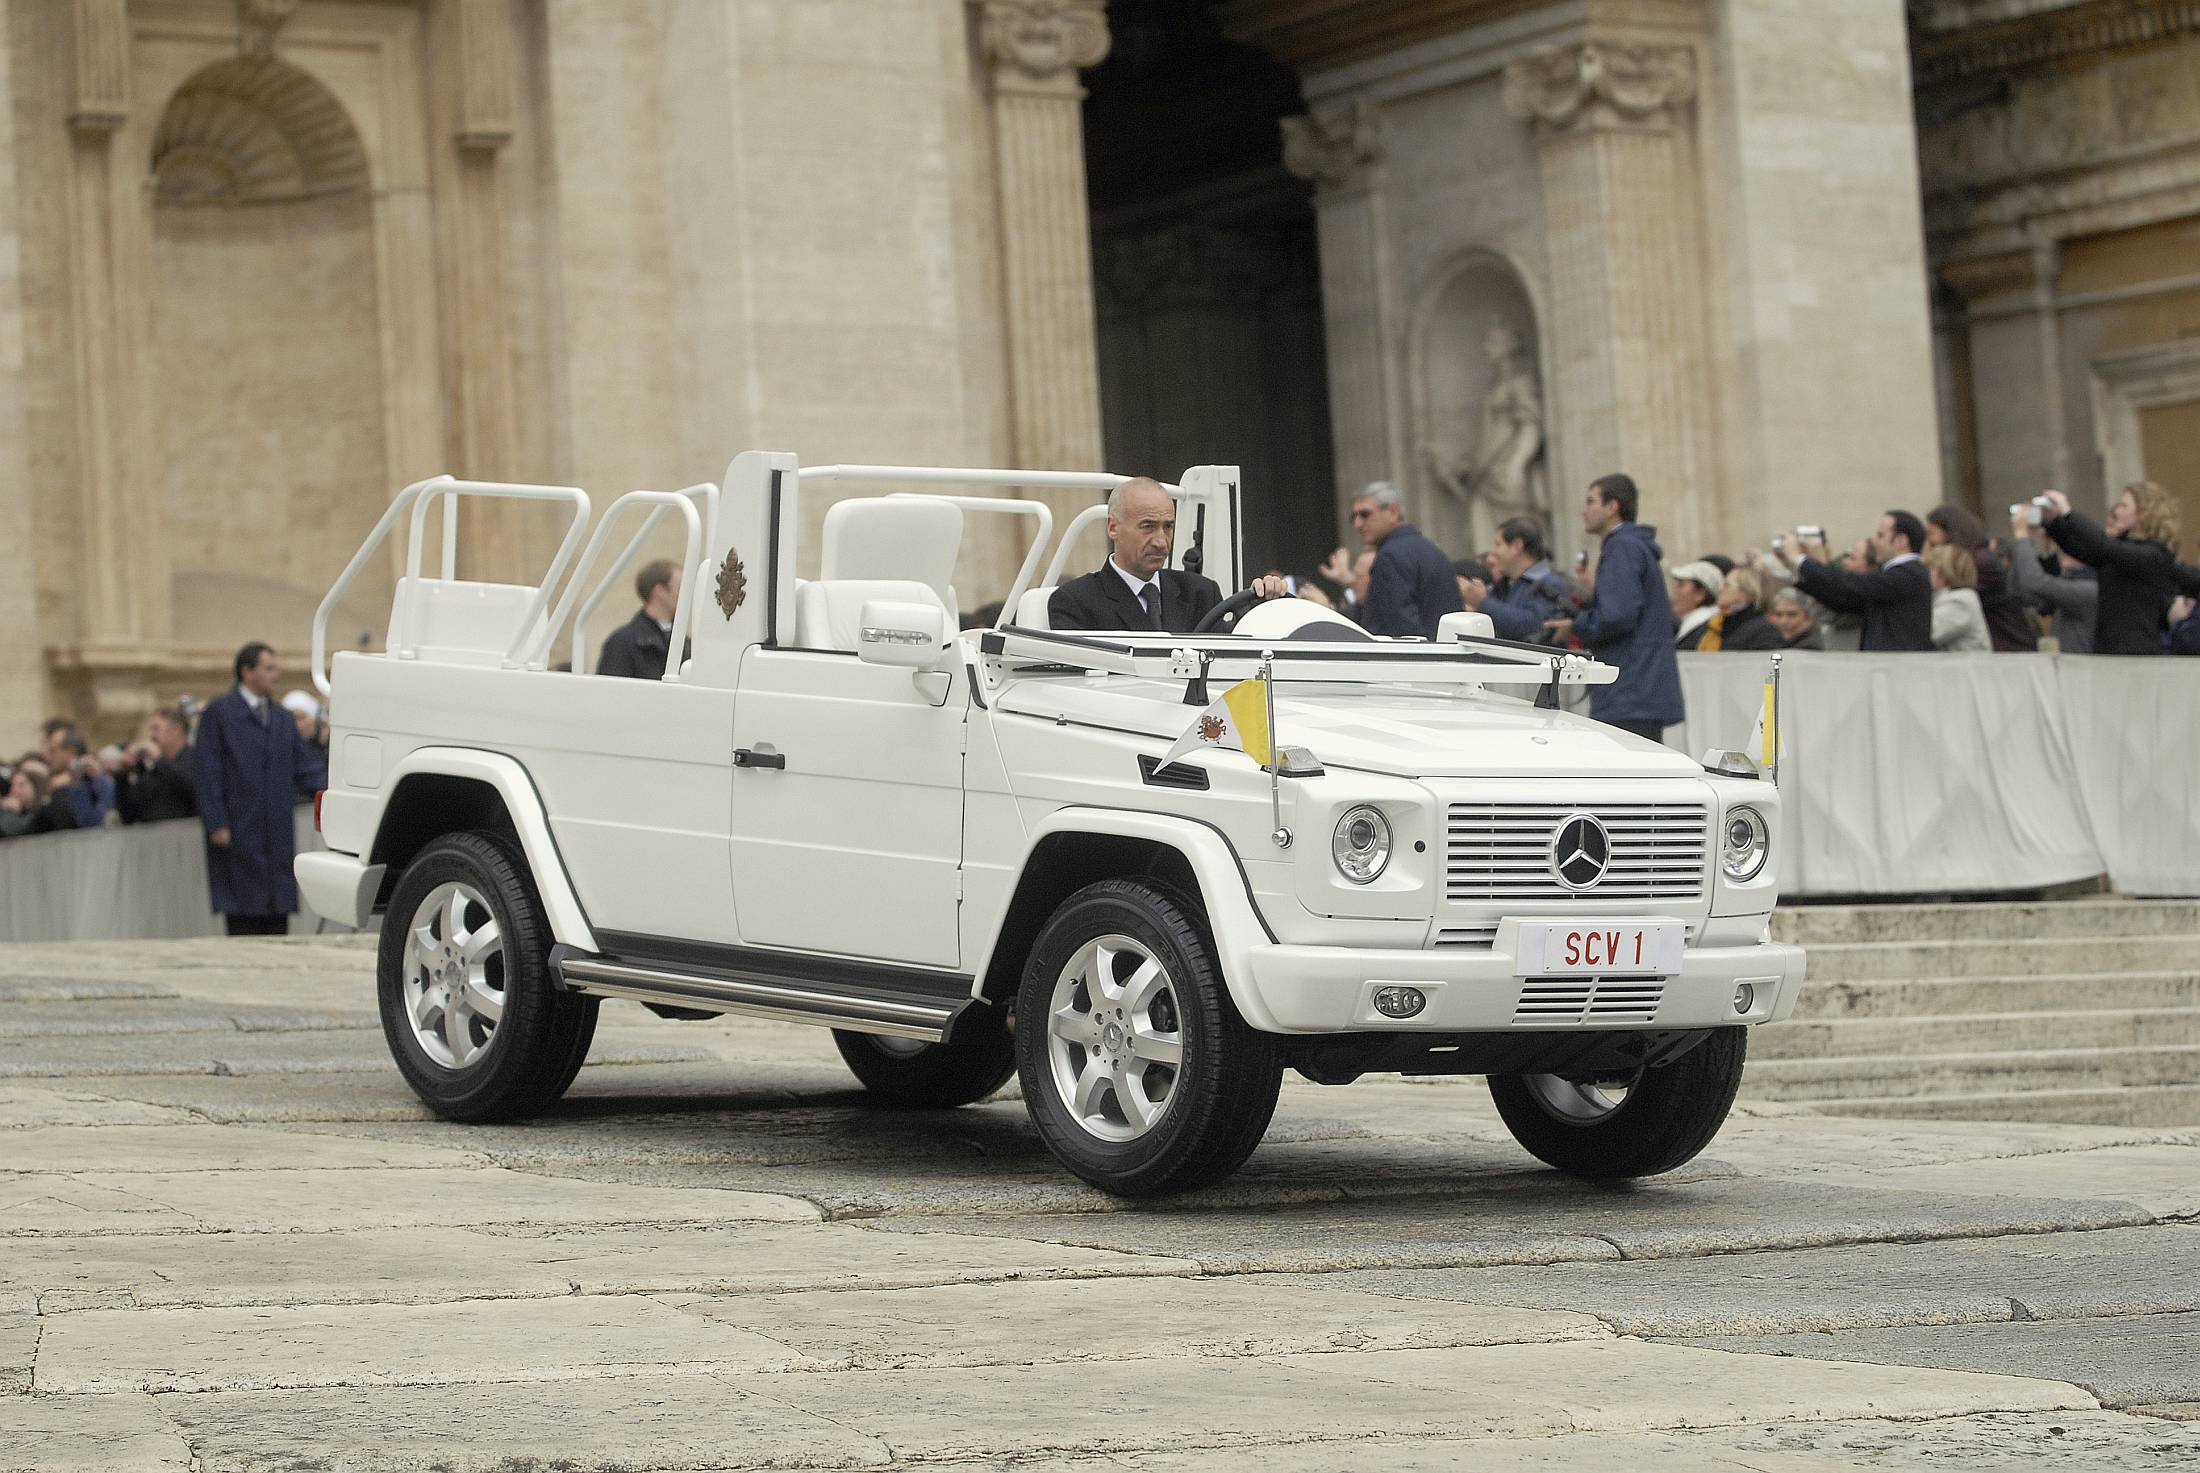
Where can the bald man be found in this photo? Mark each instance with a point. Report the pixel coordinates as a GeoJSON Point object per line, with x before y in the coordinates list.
{"type": "Point", "coordinates": [1136, 588]}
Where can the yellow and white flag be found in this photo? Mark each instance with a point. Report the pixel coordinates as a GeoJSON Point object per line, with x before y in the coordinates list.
{"type": "Point", "coordinates": [1765, 742]}
{"type": "Point", "coordinates": [1238, 720]}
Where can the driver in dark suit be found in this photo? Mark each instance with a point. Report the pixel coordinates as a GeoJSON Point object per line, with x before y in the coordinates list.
{"type": "Point", "coordinates": [1135, 588]}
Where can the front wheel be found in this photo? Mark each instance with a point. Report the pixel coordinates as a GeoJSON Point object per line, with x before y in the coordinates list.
{"type": "Point", "coordinates": [1613, 1126]}
{"type": "Point", "coordinates": [478, 1027]}
{"type": "Point", "coordinates": [1137, 1070]}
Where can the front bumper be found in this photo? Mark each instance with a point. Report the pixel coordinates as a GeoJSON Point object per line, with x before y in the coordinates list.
{"type": "Point", "coordinates": [1331, 989]}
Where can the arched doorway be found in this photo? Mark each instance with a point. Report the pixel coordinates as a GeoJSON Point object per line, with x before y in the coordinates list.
{"type": "Point", "coordinates": [264, 378]}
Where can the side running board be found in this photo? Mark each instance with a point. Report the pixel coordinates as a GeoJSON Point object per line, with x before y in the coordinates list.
{"type": "Point", "coordinates": [832, 992]}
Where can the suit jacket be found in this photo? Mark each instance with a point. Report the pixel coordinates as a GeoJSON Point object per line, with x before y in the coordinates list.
{"type": "Point", "coordinates": [1410, 587]}
{"type": "Point", "coordinates": [1896, 603]}
{"type": "Point", "coordinates": [1102, 600]}
{"type": "Point", "coordinates": [247, 775]}
{"type": "Point", "coordinates": [637, 649]}
{"type": "Point", "coordinates": [2138, 581]}
{"type": "Point", "coordinates": [160, 789]}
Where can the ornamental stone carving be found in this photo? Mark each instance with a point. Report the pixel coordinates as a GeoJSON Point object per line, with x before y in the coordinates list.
{"type": "Point", "coordinates": [1333, 148]}
{"type": "Point", "coordinates": [258, 21]}
{"type": "Point", "coordinates": [1043, 40]}
{"type": "Point", "coordinates": [1594, 84]}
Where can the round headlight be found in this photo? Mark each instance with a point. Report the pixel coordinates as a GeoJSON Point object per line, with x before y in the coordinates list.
{"type": "Point", "coordinates": [1361, 844]}
{"type": "Point", "coordinates": [1745, 844]}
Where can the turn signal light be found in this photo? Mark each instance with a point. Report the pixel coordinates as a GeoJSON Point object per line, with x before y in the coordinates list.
{"type": "Point", "coordinates": [318, 795]}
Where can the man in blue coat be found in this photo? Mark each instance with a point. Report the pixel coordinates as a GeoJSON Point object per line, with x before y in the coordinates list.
{"type": "Point", "coordinates": [251, 765]}
{"type": "Point", "coordinates": [1411, 585]}
{"type": "Point", "coordinates": [1629, 620]}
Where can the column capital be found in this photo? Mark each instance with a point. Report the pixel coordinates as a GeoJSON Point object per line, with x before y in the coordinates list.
{"type": "Point", "coordinates": [1592, 85]}
{"type": "Point", "coordinates": [99, 45]}
{"type": "Point", "coordinates": [1334, 147]}
{"type": "Point", "coordinates": [258, 22]}
{"type": "Point", "coordinates": [1041, 44]}
{"type": "Point", "coordinates": [486, 66]}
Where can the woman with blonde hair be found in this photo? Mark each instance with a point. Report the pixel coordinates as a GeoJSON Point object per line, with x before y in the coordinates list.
{"type": "Point", "coordinates": [2136, 555]}
{"type": "Point", "coordinates": [1959, 621]}
{"type": "Point", "coordinates": [1742, 601]}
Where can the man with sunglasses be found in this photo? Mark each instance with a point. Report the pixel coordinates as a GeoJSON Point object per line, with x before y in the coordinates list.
{"type": "Point", "coordinates": [1412, 585]}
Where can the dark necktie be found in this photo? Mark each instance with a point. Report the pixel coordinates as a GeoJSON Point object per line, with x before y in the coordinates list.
{"type": "Point", "coordinates": [1149, 599]}
{"type": "Point", "coordinates": [259, 714]}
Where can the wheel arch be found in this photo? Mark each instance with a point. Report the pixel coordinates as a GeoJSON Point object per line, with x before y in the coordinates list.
{"type": "Point", "coordinates": [1077, 846]}
{"type": "Point", "coordinates": [442, 790]}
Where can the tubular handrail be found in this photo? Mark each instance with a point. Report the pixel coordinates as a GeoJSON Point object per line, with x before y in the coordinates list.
{"type": "Point", "coordinates": [343, 582]}
{"type": "Point", "coordinates": [679, 501]}
{"type": "Point", "coordinates": [704, 492]}
{"type": "Point", "coordinates": [937, 475]}
{"type": "Point", "coordinates": [1070, 534]}
{"type": "Point", "coordinates": [1038, 511]}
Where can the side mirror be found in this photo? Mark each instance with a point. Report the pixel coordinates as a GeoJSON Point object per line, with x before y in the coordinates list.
{"type": "Point", "coordinates": [1464, 625]}
{"type": "Point", "coordinates": [913, 636]}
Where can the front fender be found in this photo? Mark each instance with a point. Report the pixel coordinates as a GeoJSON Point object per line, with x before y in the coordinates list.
{"type": "Point", "coordinates": [1231, 915]}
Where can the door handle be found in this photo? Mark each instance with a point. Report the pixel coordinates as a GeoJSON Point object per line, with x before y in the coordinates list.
{"type": "Point", "coordinates": [743, 757]}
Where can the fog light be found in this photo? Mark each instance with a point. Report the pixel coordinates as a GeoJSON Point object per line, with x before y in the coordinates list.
{"type": "Point", "coordinates": [1745, 998]}
{"type": "Point", "coordinates": [1399, 1002]}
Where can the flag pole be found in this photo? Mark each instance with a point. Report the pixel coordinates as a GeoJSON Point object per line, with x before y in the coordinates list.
{"type": "Point", "coordinates": [1280, 834]}
{"type": "Point", "coordinates": [1776, 657]}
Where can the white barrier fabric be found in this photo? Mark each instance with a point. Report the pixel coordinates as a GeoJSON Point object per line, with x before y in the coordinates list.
{"type": "Point", "coordinates": [1919, 774]}
{"type": "Point", "coordinates": [141, 883]}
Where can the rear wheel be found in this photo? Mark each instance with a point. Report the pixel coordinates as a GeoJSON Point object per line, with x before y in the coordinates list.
{"type": "Point", "coordinates": [930, 1076]}
{"type": "Point", "coordinates": [476, 1024]}
{"type": "Point", "coordinates": [1136, 1067]}
{"type": "Point", "coordinates": [1612, 1126]}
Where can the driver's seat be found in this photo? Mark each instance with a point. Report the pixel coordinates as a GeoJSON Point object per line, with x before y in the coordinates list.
{"type": "Point", "coordinates": [1034, 610]}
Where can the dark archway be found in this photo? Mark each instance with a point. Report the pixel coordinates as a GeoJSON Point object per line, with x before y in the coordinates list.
{"type": "Point", "coordinates": [1207, 275]}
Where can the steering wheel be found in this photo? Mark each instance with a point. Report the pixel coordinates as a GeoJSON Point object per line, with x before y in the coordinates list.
{"type": "Point", "coordinates": [1229, 608]}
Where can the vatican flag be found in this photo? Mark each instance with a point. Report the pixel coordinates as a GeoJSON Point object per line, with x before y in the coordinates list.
{"type": "Point", "coordinates": [1239, 721]}
{"type": "Point", "coordinates": [1765, 742]}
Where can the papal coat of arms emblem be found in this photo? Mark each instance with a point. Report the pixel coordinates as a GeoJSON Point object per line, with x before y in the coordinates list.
{"type": "Point", "coordinates": [733, 583]}
{"type": "Point", "coordinates": [1210, 728]}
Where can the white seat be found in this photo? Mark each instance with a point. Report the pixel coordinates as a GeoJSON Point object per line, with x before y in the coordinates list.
{"type": "Point", "coordinates": [458, 622]}
{"type": "Point", "coordinates": [894, 537]}
{"type": "Point", "coordinates": [1033, 610]}
{"type": "Point", "coordinates": [829, 615]}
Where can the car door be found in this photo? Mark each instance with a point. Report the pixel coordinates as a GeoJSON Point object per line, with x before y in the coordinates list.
{"type": "Point", "coordinates": [847, 807]}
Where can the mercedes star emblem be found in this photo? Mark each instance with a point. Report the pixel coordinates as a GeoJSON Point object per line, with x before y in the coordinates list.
{"type": "Point", "coordinates": [1580, 851]}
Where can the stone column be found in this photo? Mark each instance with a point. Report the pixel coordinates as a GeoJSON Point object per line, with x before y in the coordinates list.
{"type": "Point", "coordinates": [124, 573]}
{"type": "Point", "coordinates": [23, 698]}
{"type": "Point", "coordinates": [1622, 216]}
{"type": "Point", "coordinates": [1032, 51]}
{"type": "Point", "coordinates": [1341, 151]}
{"type": "Point", "coordinates": [2013, 332]}
{"type": "Point", "coordinates": [496, 545]}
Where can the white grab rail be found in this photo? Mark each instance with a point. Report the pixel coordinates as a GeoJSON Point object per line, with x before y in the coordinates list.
{"type": "Point", "coordinates": [678, 501]}
{"type": "Point", "coordinates": [705, 492]}
{"type": "Point", "coordinates": [941, 475]}
{"type": "Point", "coordinates": [1038, 511]}
{"type": "Point", "coordinates": [416, 497]}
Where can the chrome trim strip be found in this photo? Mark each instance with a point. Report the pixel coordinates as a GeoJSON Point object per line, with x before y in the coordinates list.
{"type": "Point", "coordinates": [757, 999]}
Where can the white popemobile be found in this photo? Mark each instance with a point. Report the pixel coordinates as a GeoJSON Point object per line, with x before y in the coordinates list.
{"type": "Point", "coordinates": [962, 852]}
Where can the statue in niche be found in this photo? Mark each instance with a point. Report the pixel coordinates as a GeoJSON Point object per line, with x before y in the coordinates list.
{"type": "Point", "coordinates": [1503, 475]}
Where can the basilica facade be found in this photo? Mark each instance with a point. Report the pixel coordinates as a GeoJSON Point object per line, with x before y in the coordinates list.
{"type": "Point", "coordinates": [262, 262]}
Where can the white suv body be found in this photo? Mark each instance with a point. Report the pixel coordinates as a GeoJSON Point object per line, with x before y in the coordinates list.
{"type": "Point", "coordinates": [843, 811]}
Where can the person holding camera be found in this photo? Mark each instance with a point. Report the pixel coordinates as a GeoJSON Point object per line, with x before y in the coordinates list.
{"type": "Point", "coordinates": [1894, 599]}
{"type": "Point", "coordinates": [157, 782]}
{"type": "Point", "coordinates": [2061, 586]}
{"type": "Point", "coordinates": [2135, 558]}
{"type": "Point", "coordinates": [1526, 592]}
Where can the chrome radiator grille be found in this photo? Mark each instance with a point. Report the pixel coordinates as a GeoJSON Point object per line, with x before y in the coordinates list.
{"type": "Point", "coordinates": [1502, 851]}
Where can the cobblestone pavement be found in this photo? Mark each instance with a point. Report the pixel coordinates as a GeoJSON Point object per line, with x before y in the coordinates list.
{"type": "Point", "coordinates": [230, 1240]}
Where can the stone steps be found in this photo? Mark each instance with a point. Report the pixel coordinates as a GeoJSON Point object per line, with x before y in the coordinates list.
{"type": "Point", "coordinates": [1822, 925]}
{"type": "Point", "coordinates": [1894, 1076]}
{"type": "Point", "coordinates": [1910, 1037]}
{"type": "Point", "coordinates": [2165, 1104]}
{"type": "Point", "coordinates": [1872, 961]}
{"type": "Point", "coordinates": [1947, 997]}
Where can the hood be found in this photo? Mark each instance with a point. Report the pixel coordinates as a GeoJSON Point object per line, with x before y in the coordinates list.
{"type": "Point", "coordinates": [1401, 730]}
{"type": "Point", "coordinates": [1643, 530]}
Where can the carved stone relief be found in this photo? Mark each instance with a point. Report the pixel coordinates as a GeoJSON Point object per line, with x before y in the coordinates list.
{"type": "Point", "coordinates": [1333, 148]}
{"type": "Point", "coordinates": [1595, 84]}
{"type": "Point", "coordinates": [1042, 39]}
{"type": "Point", "coordinates": [1478, 391]}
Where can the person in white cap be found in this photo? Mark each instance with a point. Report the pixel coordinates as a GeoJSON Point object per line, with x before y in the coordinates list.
{"type": "Point", "coordinates": [1695, 599]}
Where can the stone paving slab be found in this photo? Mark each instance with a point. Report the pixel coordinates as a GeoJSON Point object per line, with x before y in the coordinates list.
{"type": "Point", "coordinates": [89, 1434]}
{"type": "Point", "coordinates": [432, 1264]}
{"type": "Point", "coordinates": [616, 1425]}
{"type": "Point", "coordinates": [421, 1345]}
{"type": "Point", "coordinates": [18, 1348]}
{"type": "Point", "coordinates": [26, 1106]}
{"type": "Point", "coordinates": [2052, 1276]}
{"type": "Point", "coordinates": [2165, 1179]}
{"type": "Point", "coordinates": [202, 1147]}
{"type": "Point", "coordinates": [2064, 1442]}
{"type": "Point", "coordinates": [1122, 1319]}
{"type": "Point", "coordinates": [233, 1053]}
{"type": "Point", "coordinates": [102, 1018]}
{"type": "Point", "coordinates": [291, 1200]}
{"type": "Point", "coordinates": [2125, 1361]}
{"type": "Point", "coordinates": [33, 987]}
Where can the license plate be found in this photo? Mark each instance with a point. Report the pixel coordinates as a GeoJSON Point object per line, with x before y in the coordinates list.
{"type": "Point", "coordinates": [1600, 949]}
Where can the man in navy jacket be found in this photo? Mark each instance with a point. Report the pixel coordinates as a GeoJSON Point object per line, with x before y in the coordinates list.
{"type": "Point", "coordinates": [1411, 585]}
{"type": "Point", "coordinates": [1629, 620]}
{"type": "Point", "coordinates": [250, 764]}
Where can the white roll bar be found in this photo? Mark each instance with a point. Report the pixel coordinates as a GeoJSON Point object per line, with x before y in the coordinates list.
{"type": "Point", "coordinates": [416, 497]}
{"type": "Point", "coordinates": [1038, 511]}
{"type": "Point", "coordinates": [940, 475]}
{"type": "Point", "coordinates": [679, 501]}
{"type": "Point", "coordinates": [705, 492]}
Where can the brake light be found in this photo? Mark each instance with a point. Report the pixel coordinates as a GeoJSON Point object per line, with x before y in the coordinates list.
{"type": "Point", "coordinates": [318, 795]}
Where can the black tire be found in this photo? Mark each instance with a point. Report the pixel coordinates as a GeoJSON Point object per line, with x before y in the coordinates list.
{"type": "Point", "coordinates": [1670, 1113]}
{"type": "Point", "coordinates": [1219, 1096]}
{"type": "Point", "coordinates": [930, 1076]}
{"type": "Point", "coordinates": [529, 1056]}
